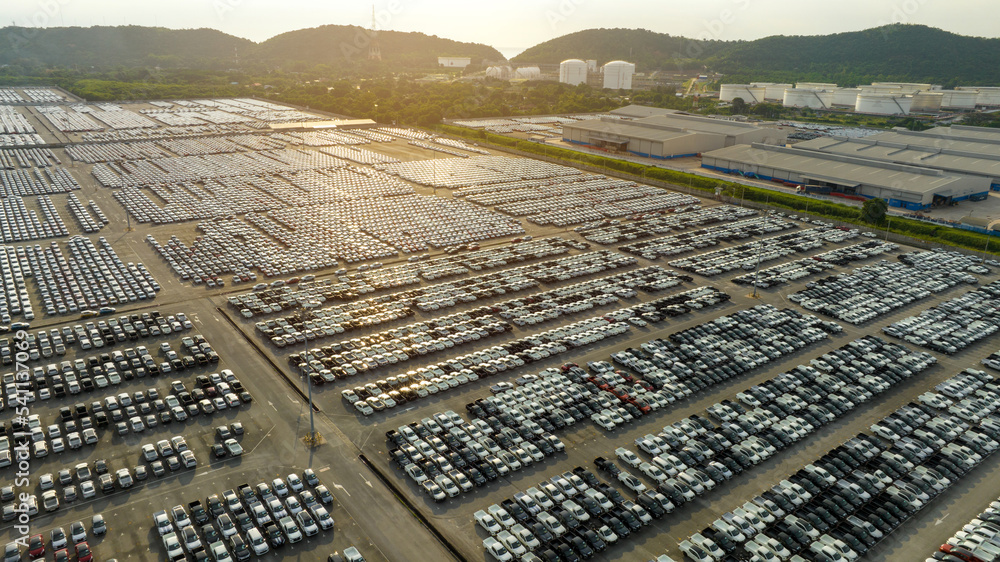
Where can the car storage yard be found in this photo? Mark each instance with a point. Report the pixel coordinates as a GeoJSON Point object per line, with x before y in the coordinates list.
{"type": "Point", "coordinates": [674, 259]}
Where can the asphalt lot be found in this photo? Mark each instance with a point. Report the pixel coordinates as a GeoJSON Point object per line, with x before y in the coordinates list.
{"type": "Point", "coordinates": [367, 513]}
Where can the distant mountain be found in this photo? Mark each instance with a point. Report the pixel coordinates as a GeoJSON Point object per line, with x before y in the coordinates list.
{"type": "Point", "coordinates": [897, 52]}
{"type": "Point", "coordinates": [121, 46]}
{"type": "Point", "coordinates": [135, 46]}
{"type": "Point", "coordinates": [346, 44]}
{"type": "Point", "coordinates": [915, 53]}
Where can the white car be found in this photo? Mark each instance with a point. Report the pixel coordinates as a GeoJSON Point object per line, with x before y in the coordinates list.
{"type": "Point", "coordinates": [628, 457]}
{"type": "Point", "coordinates": [497, 550]}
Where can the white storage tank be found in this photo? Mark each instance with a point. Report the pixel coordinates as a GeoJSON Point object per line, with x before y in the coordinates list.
{"type": "Point", "coordinates": [883, 104]}
{"type": "Point", "coordinates": [573, 72]}
{"type": "Point", "coordinates": [959, 99]}
{"type": "Point", "coordinates": [749, 93]}
{"type": "Point", "coordinates": [815, 86]}
{"type": "Point", "coordinates": [927, 102]}
{"type": "Point", "coordinates": [904, 87]}
{"type": "Point", "coordinates": [618, 75]}
{"type": "Point", "coordinates": [987, 96]}
{"type": "Point", "coordinates": [881, 89]}
{"type": "Point", "coordinates": [846, 97]}
{"type": "Point", "coordinates": [528, 73]}
{"type": "Point", "coordinates": [774, 92]}
{"type": "Point", "coordinates": [498, 72]}
{"type": "Point", "coordinates": [807, 97]}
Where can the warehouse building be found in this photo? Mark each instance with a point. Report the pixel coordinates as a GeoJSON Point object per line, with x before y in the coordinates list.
{"type": "Point", "coordinates": [910, 187]}
{"type": "Point", "coordinates": [968, 158]}
{"type": "Point", "coordinates": [639, 111]}
{"type": "Point", "coordinates": [668, 136]}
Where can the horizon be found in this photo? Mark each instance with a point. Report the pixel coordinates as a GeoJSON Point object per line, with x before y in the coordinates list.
{"type": "Point", "coordinates": [514, 26]}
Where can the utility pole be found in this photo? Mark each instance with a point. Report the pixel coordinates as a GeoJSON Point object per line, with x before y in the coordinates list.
{"type": "Point", "coordinates": [760, 252]}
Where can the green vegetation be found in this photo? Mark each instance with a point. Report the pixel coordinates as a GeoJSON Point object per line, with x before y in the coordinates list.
{"type": "Point", "coordinates": [408, 102]}
{"type": "Point", "coordinates": [328, 50]}
{"type": "Point", "coordinates": [898, 52]}
{"type": "Point", "coordinates": [928, 232]}
{"type": "Point", "coordinates": [647, 49]}
{"type": "Point", "coordinates": [345, 47]}
{"type": "Point", "coordinates": [873, 211]}
{"type": "Point", "coordinates": [83, 48]}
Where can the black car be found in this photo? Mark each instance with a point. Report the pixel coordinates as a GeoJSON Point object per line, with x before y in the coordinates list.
{"type": "Point", "coordinates": [274, 536]}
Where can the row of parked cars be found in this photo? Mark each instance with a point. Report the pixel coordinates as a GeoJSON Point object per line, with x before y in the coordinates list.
{"type": "Point", "coordinates": [686, 242]}
{"type": "Point", "coordinates": [376, 310]}
{"type": "Point", "coordinates": [507, 356]}
{"type": "Point", "coordinates": [977, 541]}
{"type": "Point", "coordinates": [841, 505]}
{"type": "Point", "coordinates": [510, 430]}
{"type": "Point", "coordinates": [247, 520]}
{"type": "Point", "coordinates": [747, 256]}
{"type": "Point", "coordinates": [83, 216]}
{"type": "Point", "coordinates": [61, 543]}
{"type": "Point", "coordinates": [878, 289]}
{"type": "Point", "coordinates": [659, 223]}
{"type": "Point", "coordinates": [814, 265]}
{"type": "Point", "coordinates": [570, 516]}
{"type": "Point", "coordinates": [954, 324]}
{"type": "Point", "coordinates": [87, 276]}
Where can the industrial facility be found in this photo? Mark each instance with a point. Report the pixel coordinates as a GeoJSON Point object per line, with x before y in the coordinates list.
{"type": "Point", "coordinates": [616, 74]}
{"type": "Point", "coordinates": [970, 158]}
{"type": "Point", "coordinates": [878, 98]}
{"type": "Point", "coordinates": [667, 135]}
{"type": "Point", "coordinates": [573, 72]}
{"type": "Point", "coordinates": [454, 62]}
{"type": "Point", "coordinates": [909, 187]}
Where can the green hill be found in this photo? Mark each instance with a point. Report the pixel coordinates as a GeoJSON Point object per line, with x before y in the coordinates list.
{"type": "Point", "coordinates": [647, 49]}
{"type": "Point", "coordinates": [129, 46]}
{"type": "Point", "coordinates": [337, 45]}
{"type": "Point", "coordinates": [898, 52]}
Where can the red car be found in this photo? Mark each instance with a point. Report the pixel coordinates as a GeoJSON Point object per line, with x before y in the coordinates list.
{"type": "Point", "coordinates": [36, 547]}
{"type": "Point", "coordinates": [61, 556]}
{"type": "Point", "coordinates": [83, 553]}
{"type": "Point", "coordinates": [959, 552]}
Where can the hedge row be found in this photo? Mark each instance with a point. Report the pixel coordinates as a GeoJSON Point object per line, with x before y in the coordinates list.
{"type": "Point", "coordinates": [928, 232]}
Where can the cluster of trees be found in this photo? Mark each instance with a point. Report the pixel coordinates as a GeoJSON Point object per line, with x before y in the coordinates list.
{"type": "Point", "coordinates": [410, 102]}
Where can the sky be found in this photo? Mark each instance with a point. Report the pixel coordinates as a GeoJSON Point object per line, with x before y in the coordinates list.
{"type": "Point", "coordinates": [514, 25]}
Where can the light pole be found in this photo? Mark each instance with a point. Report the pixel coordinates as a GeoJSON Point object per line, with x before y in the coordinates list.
{"type": "Point", "coordinates": [889, 222]}
{"type": "Point", "coordinates": [760, 251]}
{"type": "Point", "coordinates": [376, 114]}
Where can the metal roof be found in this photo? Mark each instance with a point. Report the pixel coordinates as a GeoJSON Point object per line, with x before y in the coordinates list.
{"type": "Point", "coordinates": [981, 145]}
{"type": "Point", "coordinates": [838, 169]}
{"type": "Point", "coordinates": [627, 130]}
{"type": "Point", "coordinates": [963, 132]}
{"type": "Point", "coordinates": [949, 160]}
{"type": "Point", "coordinates": [639, 111]}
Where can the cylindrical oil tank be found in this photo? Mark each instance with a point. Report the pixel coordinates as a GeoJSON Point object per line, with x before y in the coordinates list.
{"type": "Point", "coordinates": [847, 97]}
{"type": "Point", "coordinates": [749, 94]}
{"type": "Point", "coordinates": [498, 72]}
{"type": "Point", "coordinates": [618, 75]}
{"type": "Point", "coordinates": [927, 102]}
{"type": "Point", "coordinates": [988, 96]}
{"type": "Point", "coordinates": [959, 99]}
{"type": "Point", "coordinates": [774, 92]}
{"type": "Point", "coordinates": [815, 86]}
{"type": "Point", "coordinates": [807, 97]}
{"type": "Point", "coordinates": [573, 72]}
{"type": "Point", "coordinates": [904, 87]}
{"type": "Point", "coordinates": [883, 104]}
{"type": "Point", "coordinates": [528, 73]}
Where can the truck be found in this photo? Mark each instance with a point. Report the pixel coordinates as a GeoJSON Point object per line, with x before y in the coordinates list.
{"type": "Point", "coordinates": [173, 547]}
{"type": "Point", "coordinates": [817, 189]}
{"type": "Point", "coordinates": [198, 513]}
{"type": "Point", "coordinates": [607, 466]}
